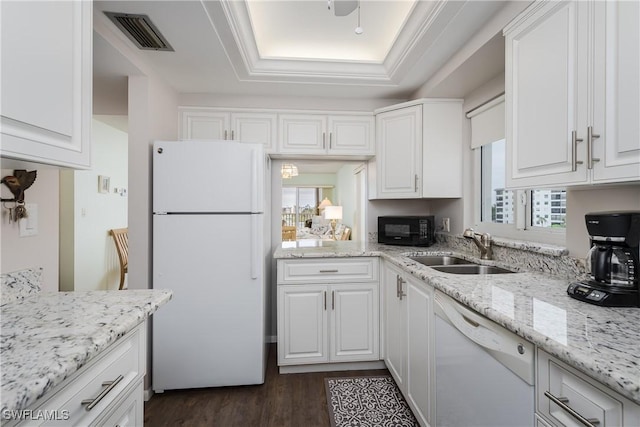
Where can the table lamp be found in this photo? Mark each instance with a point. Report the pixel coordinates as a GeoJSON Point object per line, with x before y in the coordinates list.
{"type": "Point", "coordinates": [333, 213]}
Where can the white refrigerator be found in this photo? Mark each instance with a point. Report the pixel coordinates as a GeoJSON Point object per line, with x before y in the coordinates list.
{"type": "Point", "coordinates": [209, 248]}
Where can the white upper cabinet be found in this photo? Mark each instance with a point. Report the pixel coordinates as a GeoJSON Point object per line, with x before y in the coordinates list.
{"type": "Point", "coordinates": [351, 135]}
{"type": "Point", "coordinates": [571, 106]}
{"type": "Point", "coordinates": [302, 133]}
{"type": "Point", "coordinates": [419, 150]}
{"type": "Point", "coordinates": [616, 115]}
{"type": "Point", "coordinates": [47, 82]}
{"type": "Point", "coordinates": [399, 154]}
{"type": "Point", "coordinates": [246, 126]}
{"type": "Point", "coordinates": [333, 135]}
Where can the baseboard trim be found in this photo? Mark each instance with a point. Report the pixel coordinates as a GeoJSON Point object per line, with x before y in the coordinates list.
{"type": "Point", "coordinates": [148, 394]}
{"type": "Point", "coordinates": [327, 367]}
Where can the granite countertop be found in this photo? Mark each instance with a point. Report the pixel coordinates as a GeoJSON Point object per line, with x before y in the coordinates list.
{"type": "Point", "coordinates": [47, 337]}
{"type": "Point", "coordinates": [601, 342]}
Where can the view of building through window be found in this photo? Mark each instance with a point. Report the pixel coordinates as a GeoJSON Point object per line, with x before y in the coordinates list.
{"type": "Point", "coordinates": [547, 207]}
{"type": "Point", "coordinates": [299, 204]}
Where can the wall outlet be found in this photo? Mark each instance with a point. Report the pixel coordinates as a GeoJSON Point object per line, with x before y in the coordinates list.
{"type": "Point", "coordinates": [446, 226]}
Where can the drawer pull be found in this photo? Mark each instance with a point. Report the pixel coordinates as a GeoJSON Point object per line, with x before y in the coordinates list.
{"type": "Point", "coordinates": [110, 385]}
{"type": "Point", "coordinates": [328, 271]}
{"type": "Point", "coordinates": [562, 403]}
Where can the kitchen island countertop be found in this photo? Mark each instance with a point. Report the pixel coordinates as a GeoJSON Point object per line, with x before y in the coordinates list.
{"type": "Point", "coordinates": [47, 337]}
{"type": "Point", "coordinates": [602, 342]}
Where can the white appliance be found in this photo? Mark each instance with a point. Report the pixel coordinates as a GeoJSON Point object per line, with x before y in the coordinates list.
{"type": "Point", "coordinates": [209, 248]}
{"type": "Point", "coordinates": [484, 373]}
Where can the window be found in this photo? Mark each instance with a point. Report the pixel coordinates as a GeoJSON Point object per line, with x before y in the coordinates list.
{"type": "Point", "coordinates": [299, 204]}
{"type": "Point", "coordinates": [535, 214]}
{"type": "Point", "coordinates": [497, 203]}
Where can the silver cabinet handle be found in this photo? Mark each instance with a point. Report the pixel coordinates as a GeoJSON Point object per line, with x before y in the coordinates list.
{"type": "Point", "coordinates": [333, 300]}
{"type": "Point", "coordinates": [415, 183]}
{"type": "Point", "coordinates": [232, 135]}
{"type": "Point", "coordinates": [574, 151]}
{"type": "Point", "coordinates": [330, 139]}
{"type": "Point", "coordinates": [562, 403]}
{"type": "Point", "coordinates": [325, 300]}
{"type": "Point", "coordinates": [225, 135]}
{"type": "Point", "coordinates": [590, 137]}
{"type": "Point", "coordinates": [324, 140]}
{"type": "Point", "coordinates": [329, 271]}
{"type": "Point", "coordinates": [110, 385]}
{"type": "Point", "coordinates": [397, 286]}
{"type": "Point", "coordinates": [400, 293]}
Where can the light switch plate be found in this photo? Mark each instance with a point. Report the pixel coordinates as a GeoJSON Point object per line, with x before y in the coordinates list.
{"type": "Point", "coordinates": [29, 225]}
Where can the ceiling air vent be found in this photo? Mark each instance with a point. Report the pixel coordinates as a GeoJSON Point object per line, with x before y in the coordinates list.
{"type": "Point", "coordinates": [140, 31]}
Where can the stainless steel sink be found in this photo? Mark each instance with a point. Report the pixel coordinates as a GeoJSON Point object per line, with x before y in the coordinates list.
{"type": "Point", "coordinates": [471, 269]}
{"type": "Point", "coordinates": [431, 260]}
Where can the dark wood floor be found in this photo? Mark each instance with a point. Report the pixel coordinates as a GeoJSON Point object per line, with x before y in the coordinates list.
{"type": "Point", "coordinates": [291, 400]}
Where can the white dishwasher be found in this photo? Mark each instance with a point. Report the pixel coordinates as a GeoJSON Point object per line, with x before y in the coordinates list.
{"type": "Point", "coordinates": [484, 373]}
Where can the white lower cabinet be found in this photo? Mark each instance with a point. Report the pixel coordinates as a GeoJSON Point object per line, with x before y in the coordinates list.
{"type": "Point", "coordinates": [107, 391]}
{"type": "Point", "coordinates": [566, 397]}
{"type": "Point", "coordinates": [327, 318]}
{"type": "Point", "coordinates": [129, 412]}
{"type": "Point", "coordinates": [409, 344]}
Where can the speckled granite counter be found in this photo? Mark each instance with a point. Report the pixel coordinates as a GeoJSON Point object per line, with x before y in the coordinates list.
{"type": "Point", "coordinates": [602, 342]}
{"type": "Point", "coordinates": [48, 336]}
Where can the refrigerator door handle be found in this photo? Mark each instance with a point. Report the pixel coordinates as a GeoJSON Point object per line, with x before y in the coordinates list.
{"type": "Point", "coordinates": [255, 179]}
{"type": "Point", "coordinates": [254, 247]}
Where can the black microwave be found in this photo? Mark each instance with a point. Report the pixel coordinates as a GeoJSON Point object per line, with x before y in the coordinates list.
{"type": "Point", "coordinates": [406, 230]}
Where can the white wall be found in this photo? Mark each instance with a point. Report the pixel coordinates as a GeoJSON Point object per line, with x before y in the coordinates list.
{"type": "Point", "coordinates": [284, 102]}
{"type": "Point", "coordinates": [346, 193]}
{"type": "Point", "coordinates": [40, 250]}
{"type": "Point", "coordinates": [88, 258]}
{"type": "Point", "coordinates": [153, 115]}
{"type": "Point", "coordinates": [600, 199]}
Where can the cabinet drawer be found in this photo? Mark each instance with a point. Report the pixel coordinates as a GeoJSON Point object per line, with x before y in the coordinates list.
{"type": "Point", "coordinates": [562, 390]}
{"type": "Point", "coordinates": [125, 359]}
{"type": "Point", "coordinates": [327, 270]}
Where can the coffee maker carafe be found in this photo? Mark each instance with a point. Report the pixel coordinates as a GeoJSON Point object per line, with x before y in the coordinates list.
{"type": "Point", "coordinates": [613, 260]}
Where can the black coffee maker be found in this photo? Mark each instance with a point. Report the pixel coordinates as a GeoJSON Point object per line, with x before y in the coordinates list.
{"type": "Point", "coordinates": [613, 261]}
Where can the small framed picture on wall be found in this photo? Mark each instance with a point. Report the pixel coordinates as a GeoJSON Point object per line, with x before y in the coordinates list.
{"type": "Point", "coordinates": [104, 184]}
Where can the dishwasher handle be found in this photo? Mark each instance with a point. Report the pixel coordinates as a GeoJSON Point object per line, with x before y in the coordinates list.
{"type": "Point", "coordinates": [512, 351]}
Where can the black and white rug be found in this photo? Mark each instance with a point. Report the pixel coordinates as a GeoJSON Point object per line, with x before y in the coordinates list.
{"type": "Point", "coordinates": [367, 402]}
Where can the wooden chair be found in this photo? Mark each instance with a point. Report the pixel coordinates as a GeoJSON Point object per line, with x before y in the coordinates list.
{"type": "Point", "coordinates": [345, 233]}
{"type": "Point", "coordinates": [288, 233]}
{"type": "Point", "coordinates": [121, 239]}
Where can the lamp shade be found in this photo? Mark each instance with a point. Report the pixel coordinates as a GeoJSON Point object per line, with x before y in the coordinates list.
{"type": "Point", "coordinates": [333, 212]}
{"type": "Point", "coordinates": [324, 203]}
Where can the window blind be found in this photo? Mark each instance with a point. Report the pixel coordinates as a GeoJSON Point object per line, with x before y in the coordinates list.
{"type": "Point", "coordinates": [487, 122]}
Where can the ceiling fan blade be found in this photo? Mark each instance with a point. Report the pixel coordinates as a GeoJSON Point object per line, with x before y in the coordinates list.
{"type": "Point", "coordinates": [344, 7]}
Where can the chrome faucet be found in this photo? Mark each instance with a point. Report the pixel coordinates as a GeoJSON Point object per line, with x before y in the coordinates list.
{"type": "Point", "coordinates": [482, 241]}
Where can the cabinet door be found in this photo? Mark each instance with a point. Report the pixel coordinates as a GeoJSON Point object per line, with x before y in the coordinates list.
{"type": "Point", "coordinates": [546, 95]}
{"type": "Point", "coordinates": [259, 128]}
{"type": "Point", "coordinates": [302, 134]}
{"type": "Point", "coordinates": [128, 412]}
{"type": "Point", "coordinates": [442, 149]}
{"type": "Point", "coordinates": [302, 324]}
{"type": "Point", "coordinates": [420, 350]}
{"type": "Point", "coordinates": [351, 135]}
{"type": "Point", "coordinates": [617, 91]}
{"type": "Point", "coordinates": [47, 81]}
{"type": "Point", "coordinates": [202, 125]}
{"type": "Point", "coordinates": [394, 326]}
{"type": "Point", "coordinates": [354, 323]}
{"type": "Point", "coordinates": [399, 153]}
